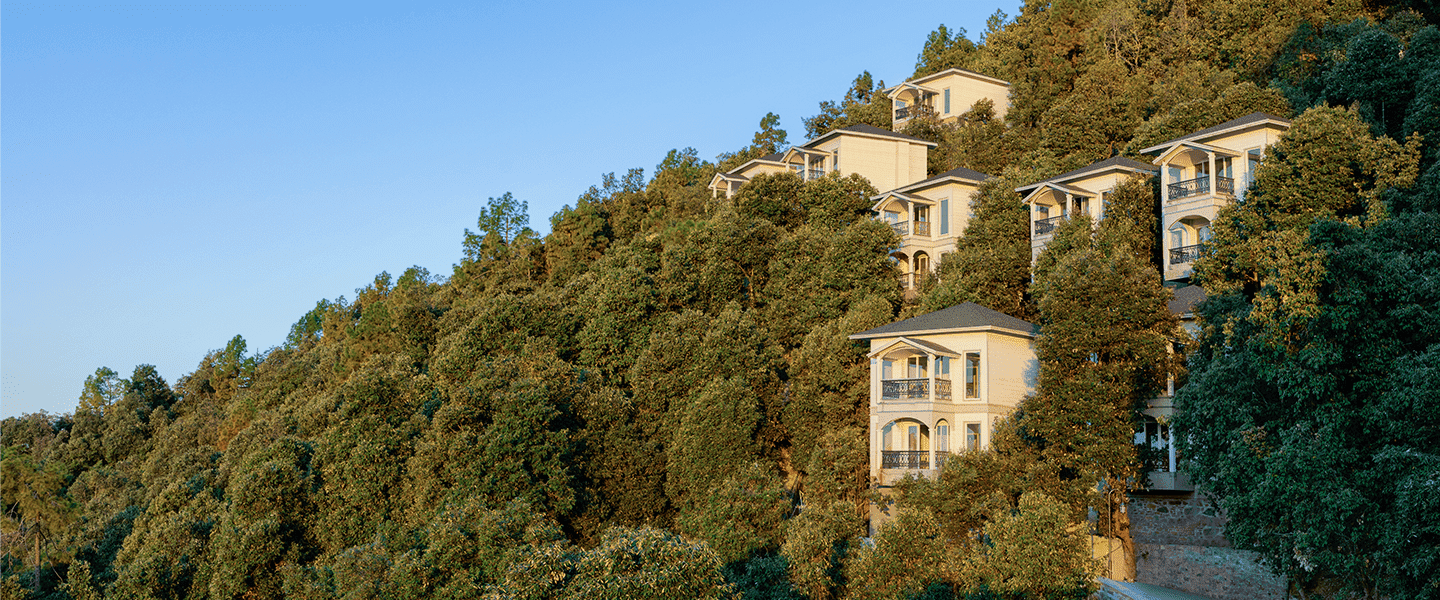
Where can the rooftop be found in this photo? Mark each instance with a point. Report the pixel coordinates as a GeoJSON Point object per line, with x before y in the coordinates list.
{"type": "Point", "coordinates": [1185, 299]}
{"type": "Point", "coordinates": [959, 317]}
{"type": "Point", "coordinates": [1240, 123]}
{"type": "Point", "coordinates": [870, 130]}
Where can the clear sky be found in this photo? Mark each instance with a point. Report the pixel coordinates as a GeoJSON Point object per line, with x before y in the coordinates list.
{"type": "Point", "coordinates": [172, 175]}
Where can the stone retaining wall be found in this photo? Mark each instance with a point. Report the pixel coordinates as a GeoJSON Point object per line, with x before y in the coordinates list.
{"type": "Point", "coordinates": [1219, 573]}
{"type": "Point", "coordinates": [1186, 519]}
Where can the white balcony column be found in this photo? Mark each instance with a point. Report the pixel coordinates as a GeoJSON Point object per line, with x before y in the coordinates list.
{"type": "Point", "coordinates": [1213, 189]}
{"type": "Point", "coordinates": [1170, 434]}
{"type": "Point", "coordinates": [930, 371]}
{"type": "Point", "coordinates": [933, 439]}
{"type": "Point", "coordinates": [1164, 185]}
{"type": "Point", "coordinates": [876, 387]}
{"type": "Point", "coordinates": [875, 446]}
{"type": "Point", "coordinates": [1069, 205]}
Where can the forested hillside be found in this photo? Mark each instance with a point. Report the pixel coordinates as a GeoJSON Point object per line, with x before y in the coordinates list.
{"type": "Point", "coordinates": [658, 399]}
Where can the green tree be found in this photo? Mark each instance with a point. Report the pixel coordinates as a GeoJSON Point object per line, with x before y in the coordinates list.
{"type": "Point", "coordinates": [101, 390]}
{"type": "Point", "coordinates": [944, 49]}
{"type": "Point", "coordinates": [991, 262]}
{"type": "Point", "coordinates": [863, 104]}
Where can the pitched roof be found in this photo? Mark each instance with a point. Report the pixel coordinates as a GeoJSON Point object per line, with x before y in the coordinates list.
{"type": "Point", "coordinates": [917, 80]}
{"type": "Point", "coordinates": [960, 173]}
{"type": "Point", "coordinates": [1250, 119]}
{"type": "Point", "coordinates": [1114, 162]}
{"type": "Point", "coordinates": [961, 316]}
{"type": "Point", "coordinates": [773, 157]}
{"type": "Point", "coordinates": [1185, 299]}
{"type": "Point", "coordinates": [865, 129]}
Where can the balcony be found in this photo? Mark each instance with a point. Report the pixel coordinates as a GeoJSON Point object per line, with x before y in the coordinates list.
{"type": "Point", "coordinates": [901, 228]}
{"type": "Point", "coordinates": [813, 173]}
{"type": "Point", "coordinates": [922, 228]}
{"type": "Point", "coordinates": [1047, 226]}
{"type": "Point", "coordinates": [911, 459]}
{"type": "Point", "coordinates": [902, 113]}
{"type": "Point", "coordinates": [1185, 254]}
{"type": "Point", "coordinates": [913, 389]}
{"type": "Point", "coordinates": [1200, 186]}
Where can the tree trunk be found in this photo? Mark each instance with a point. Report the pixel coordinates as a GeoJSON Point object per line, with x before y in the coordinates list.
{"type": "Point", "coordinates": [1120, 525]}
{"type": "Point", "coordinates": [37, 563]}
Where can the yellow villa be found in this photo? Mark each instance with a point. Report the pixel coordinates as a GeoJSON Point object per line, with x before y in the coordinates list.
{"type": "Point", "coordinates": [929, 216]}
{"type": "Point", "coordinates": [947, 94]}
{"type": "Point", "coordinates": [1201, 173]}
{"type": "Point", "coordinates": [888, 159]}
{"type": "Point", "coordinates": [1082, 191]}
{"type": "Point", "coordinates": [939, 382]}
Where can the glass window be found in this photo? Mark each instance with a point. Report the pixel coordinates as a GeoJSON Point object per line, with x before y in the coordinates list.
{"type": "Point", "coordinates": [945, 216]}
{"type": "Point", "coordinates": [837, 159]}
{"type": "Point", "coordinates": [1177, 237]}
{"type": "Point", "coordinates": [972, 436]}
{"type": "Point", "coordinates": [913, 438]}
{"type": "Point", "coordinates": [947, 101]}
{"type": "Point", "coordinates": [1176, 173]}
{"type": "Point", "coordinates": [916, 367]}
{"type": "Point", "coordinates": [942, 438]}
{"type": "Point", "coordinates": [942, 365]}
{"type": "Point", "coordinates": [892, 217]}
{"type": "Point", "coordinates": [887, 369]}
{"type": "Point", "coordinates": [972, 375]}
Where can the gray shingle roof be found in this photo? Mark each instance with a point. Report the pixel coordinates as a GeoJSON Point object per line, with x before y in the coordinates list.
{"type": "Point", "coordinates": [962, 173]}
{"type": "Point", "coordinates": [773, 157]}
{"type": "Point", "coordinates": [960, 316]}
{"type": "Point", "coordinates": [1254, 117]}
{"type": "Point", "coordinates": [871, 130]}
{"type": "Point", "coordinates": [1185, 299]}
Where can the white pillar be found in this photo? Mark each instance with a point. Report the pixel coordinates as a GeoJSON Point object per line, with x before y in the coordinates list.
{"type": "Point", "coordinates": [931, 449]}
{"type": "Point", "coordinates": [1164, 185]}
{"type": "Point", "coordinates": [1170, 429]}
{"type": "Point", "coordinates": [1213, 189]}
{"type": "Point", "coordinates": [1069, 206]}
{"type": "Point", "coordinates": [930, 371]}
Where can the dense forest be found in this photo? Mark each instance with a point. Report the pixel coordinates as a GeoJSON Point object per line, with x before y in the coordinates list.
{"type": "Point", "coordinates": [659, 399]}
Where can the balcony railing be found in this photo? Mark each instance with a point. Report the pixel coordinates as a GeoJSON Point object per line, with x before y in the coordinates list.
{"type": "Point", "coordinates": [902, 113]}
{"type": "Point", "coordinates": [922, 228]}
{"type": "Point", "coordinates": [1199, 186]}
{"type": "Point", "coordinates": [911, 459]}
{"type": "Point", "coordinates": [1184, 254]}
{"type": "Point", "coordinates": [913, 389]}
{"type": "Point", "coordinates": [905, 459]}
{"type": "Point", "coordinates": [814, 173]}
{"type": "Point", "coordinates": [1047, 226]}
{"type": "Point", "coordinates": [901, 228]}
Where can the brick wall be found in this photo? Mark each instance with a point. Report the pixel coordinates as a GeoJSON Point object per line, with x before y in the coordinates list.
{"type": "Point", "coordinates": [1185, 519]}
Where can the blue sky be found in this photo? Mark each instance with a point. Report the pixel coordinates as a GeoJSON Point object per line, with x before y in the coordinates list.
{"type": "Point", "coordinates": [172, 175]}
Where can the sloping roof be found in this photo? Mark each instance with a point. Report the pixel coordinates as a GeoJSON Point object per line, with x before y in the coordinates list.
{"type": "Point", "coordinates": [1114, 162]}
{"type": "Point", "coordinates": [1069, 189]}
{"type": "Point", "coordinates": [1185, 299]}
{"type": "Point", "coordinates": [961, 316]}
{"type": "Point", "coordinates": [1250, 119]}
{"type": "Point", "coordinates": [865, 129]}
{"type": "Point", "coordinates": [917, 80]}
{"type": "Point", "coordinates": [960, 173]}
{"type": "Point", "coordinates": [773, 157]}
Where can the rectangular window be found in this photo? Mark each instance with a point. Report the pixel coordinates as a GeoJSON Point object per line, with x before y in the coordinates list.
{"type": "Point", "coordinates": [942, 438]}
{"type": "Point", "coordinates": [942, 366]}
{"type": "Point", "coordinates": [837, 160]}
{"type": "Point", "coordinates": [892, 217]}
{"type": "Point", "coordinates": [1223, 167]}
{"type": "Point", "coordinates": [972, 436]}
{"type": "Point", "coordinates": [947, 101]}
{"type": "Point", "coordinates": [917, 367]}
{"type": "Point", "coordinates": [945, 216]}
{"type": "Point", "coordinates": [887, 369]}
{"type": "Point", "coordinates": [972, 375]}
{"type": "Point", "coordinates": [913, 439]}
{"type": "Point", "coordinates": [1176, 174]}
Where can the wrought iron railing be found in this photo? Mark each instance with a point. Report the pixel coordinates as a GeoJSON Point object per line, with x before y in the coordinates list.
{"type": "Point", "coordinates": [814, 173]}
{"type": "Point", "coordinates": [922, 228]}
{"type": "Point", "coordinates": [1185, 254]}
{"type": "Point", "coordinates": [901, 228]}
{"type": "Point", "coordinates": [902, 113]}
{"type": "Point", "coordinates": [905, 459]}
{"type": "Point", "coordinates": [1047, 226]}
{"type": "Point", "coordinates": [1199, 186]}
{"type": "Point", "coordinates": [913, 389]}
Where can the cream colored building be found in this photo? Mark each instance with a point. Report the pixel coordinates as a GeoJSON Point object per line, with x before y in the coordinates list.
{"type": "Point", "coordinates": [948, 94]}
{"type": "Point", "coordinates": [1203, 172]}
{"type": "Point", "coordinates": [939, 382]}
{"type": "Point", "coordinates": [887, 159]}
{"type": "Point", "coordinates": [1082, 191]}
{"type": "Point", "coordinates": [929, 216]}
